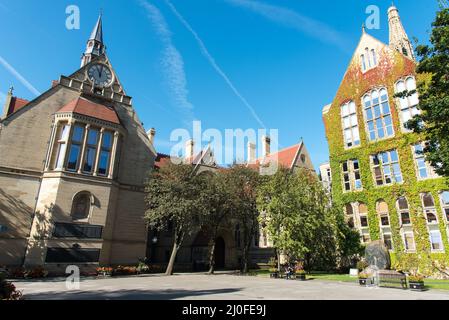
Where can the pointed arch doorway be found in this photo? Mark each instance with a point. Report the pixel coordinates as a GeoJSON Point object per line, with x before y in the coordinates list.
{"type": "Point", "coordinates": [220, 253]}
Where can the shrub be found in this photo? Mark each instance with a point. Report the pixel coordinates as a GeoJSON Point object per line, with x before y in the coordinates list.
{"type": "Point", "coordinates": [362, 265]}
{"type": "Point", "coordinates": [416, 278]}
{"type": "Point", "coordinates": [104, 271]}
{"type": "Point", "coordinates": [7, 290]}
{"type": "Point", "coordinates": [124, 271]}
{"type": "Point", "coordinates": [36, 273]}
{"type": "Point", "coordinates": [363, 275]}
{"type": "Point", "coordinates": [143, 268]}
{"type": "Point", "coordinates": [18, 273]}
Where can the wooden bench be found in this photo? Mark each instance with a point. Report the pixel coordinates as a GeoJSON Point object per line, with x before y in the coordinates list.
{"type": "Point", "coordinates": [392, 279]}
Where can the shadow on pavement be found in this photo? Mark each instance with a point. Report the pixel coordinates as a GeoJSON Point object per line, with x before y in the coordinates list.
{"type": "Point", "coordinates": [126, 294]}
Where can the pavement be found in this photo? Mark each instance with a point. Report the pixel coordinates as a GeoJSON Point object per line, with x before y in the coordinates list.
{"type": "Point", "coordinates": [216, 287]}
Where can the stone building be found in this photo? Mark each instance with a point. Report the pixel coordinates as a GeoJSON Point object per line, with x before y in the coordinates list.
{"type": "Point", "coordinates": [379, 174]}
{"type": "Point", "coordinates": [72, 168]}
{"type": "Point", "coordinates": [73, 164]}
{"type": "Point", "coordinates": [228, 249]}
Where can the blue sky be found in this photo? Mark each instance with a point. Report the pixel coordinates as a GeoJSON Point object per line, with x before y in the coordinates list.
{"type": "Point", "coordinates": [229, 63]}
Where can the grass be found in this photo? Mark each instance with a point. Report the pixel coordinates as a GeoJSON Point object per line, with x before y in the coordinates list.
{"type": "Point", "coordinates": [430, 283]}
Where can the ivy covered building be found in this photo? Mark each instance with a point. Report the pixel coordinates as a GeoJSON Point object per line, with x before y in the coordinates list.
{"type": "Point", "coordinates": [379, 176]}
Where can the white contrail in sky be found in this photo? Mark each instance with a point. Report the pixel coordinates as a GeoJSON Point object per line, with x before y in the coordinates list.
{"type": "Point", "coordinates": [295, 20]}
{"type": "Point", "coordinates": [214, 64]}
{"type": "Point", "coordinates": [172, 62]}
{"type": "Point", "coordinates": [19, 77]}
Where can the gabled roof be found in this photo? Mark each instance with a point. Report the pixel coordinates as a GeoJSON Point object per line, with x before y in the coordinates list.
{"type": "Point", "coordinates": [94, 110]}
{"type": "Point", "coordinates": [16, 104]}
{"type": "Point", "coordinates": [285, 158]}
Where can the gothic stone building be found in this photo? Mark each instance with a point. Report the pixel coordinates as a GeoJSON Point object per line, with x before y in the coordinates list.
{"type": "Point", "coordinates": [228, 249]}
{"type": "Point", "coordinates": [72, 168]}
{"type": "Point", "coordinates": [379, 174]}
{"type": "Point", "coordinates": [73, 164]}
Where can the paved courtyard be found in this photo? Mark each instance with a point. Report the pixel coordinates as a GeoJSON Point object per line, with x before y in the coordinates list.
{"type": "Point", "coordinates": [218, 287]}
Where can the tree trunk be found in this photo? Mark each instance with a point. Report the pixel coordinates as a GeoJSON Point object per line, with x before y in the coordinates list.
{"type": "Point", "coordinates": [171, 263]}
{"type": "Point", "coordinates": [278, 254]}
{"type": "Point", "coordinates": [212, 256]}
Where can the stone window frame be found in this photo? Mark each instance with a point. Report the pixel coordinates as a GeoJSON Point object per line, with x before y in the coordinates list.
{"type": "Point", "coordinates": [430, 171]}
{"type": "Point", "coordinates": [382, 116]}
{"type": "Point", "coordinates": [351, 176]}
{"type": "Point", "coordinates": [434, 226]}
{"type": "Point", "coordinates": [349, 116]}
{"type": "Point", "coordinates": [71, 120]}
{"type": "Point", "coordinates": [385, 230]}
{"type": "Point", "coordinates": [356, 218]}
{"type": "Point", "coordinates": [381, 166]}
{"type": "Point", "coordinates": [369, 59]}
{"type": "Point", "coordinates": [91, 206]}
{"type": "Point", "coordinates": [445, 210]}
{"type": "Point", "coordinates": [410, 106]}
{"type": "Point", "coordinates": [406, 229]}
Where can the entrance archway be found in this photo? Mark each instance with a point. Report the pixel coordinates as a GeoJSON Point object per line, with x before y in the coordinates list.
{"type": "Point", "coordinates": [220, 253]}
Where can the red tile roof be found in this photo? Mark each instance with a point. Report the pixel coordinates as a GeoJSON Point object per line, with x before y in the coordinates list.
{"type": "Point", "coordinates": [16, 104]}
{"type": "Point", "coordinates": [91, 109]}
{"type": "Point", "coordinates": [161, 160]}
{"type": "Point", "coordinates": [284, 158]}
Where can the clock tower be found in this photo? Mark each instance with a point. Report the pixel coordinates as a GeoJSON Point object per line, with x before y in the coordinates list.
{"type": "Point", "coordinates": [95, 46]}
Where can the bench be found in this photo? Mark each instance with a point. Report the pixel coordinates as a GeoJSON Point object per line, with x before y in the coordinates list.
{"type": "Point", "coordinates": [392, 279]}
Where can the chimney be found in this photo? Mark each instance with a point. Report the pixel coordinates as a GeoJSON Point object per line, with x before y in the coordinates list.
{"type": "Point", "coordinates": [7, 103]}
{"type": "Point", "coordinates": [266, 142]}
{"type": "Point", "coordinates": [151, 134]}
{"type": "Point", "coordinates": [190, 146]}
{"type": "Point", "coordinates": [251, 153]}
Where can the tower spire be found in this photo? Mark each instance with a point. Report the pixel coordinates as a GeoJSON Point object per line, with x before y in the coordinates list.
{"type": "Point", "coordinates": [95, 45]}
{"type": "Point", "coordinates": [398, 37]}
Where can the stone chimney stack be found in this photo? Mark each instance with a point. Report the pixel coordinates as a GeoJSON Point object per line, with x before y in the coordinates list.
{"type": "Point", "coordinates": [151, 134]}
{"type": "Point", "coordinates": [266, 142]}
{"type": "Point", "coordinates": [7, 103]}
{"type": "Point", "coordinates": [190, 147]}
{"type": "Point", "coordinates": [251, 153]}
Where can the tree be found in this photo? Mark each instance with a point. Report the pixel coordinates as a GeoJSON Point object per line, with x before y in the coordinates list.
{"type": "Point", "coordinates": [221, 205]}
{"type": "Point", "coordinates": [175, 195]}
{"type": "Point", "coordinates": [301, 222]}
{"type": "Point", "coordinates": [243, 183]}
{"type": "Point", "coordinates": [433, 71]}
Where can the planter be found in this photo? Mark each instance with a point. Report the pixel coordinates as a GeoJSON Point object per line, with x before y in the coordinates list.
{"type": "Point", "coordinates": [363, 282]}
{"type": "Point", "coordinates": [301, 277]}
{"type": "Point", "coordinates": [274, 275]}
{"type": "Point", "coordinates": [416, 286]}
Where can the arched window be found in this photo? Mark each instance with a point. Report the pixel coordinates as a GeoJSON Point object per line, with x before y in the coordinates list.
{"type": "Point", "coordinates": [363, 223]}
{"type": "Point", "coordinates": [362, 59]}
{"type": "Point", "coordinates": [378, 115]}
{"type": "Point", "coordinates": [430, 211]}
{"type": "Point", "coordinates": [445, 203]}
{"type": "Point", "coordinates": [374, 56]}
{"type": "Point", "coordinates": [367, 56]}
{"type": "Point", "coordinates": [404, 211]}
{"type": "Point", "coordinates": [350, 125]}
{"type": "Point", "coordinates": [384, 217]}
{"type": "Point", "coordinates": [408, 105]}
{"type": "Point", "coordinates": [429, 208]}
{"type": "Point", "coordinates": [349, 215]}
{"type": "Point", "coordinates": [406, 225]}
{"type": "Point", "coordinates": [81, 206]}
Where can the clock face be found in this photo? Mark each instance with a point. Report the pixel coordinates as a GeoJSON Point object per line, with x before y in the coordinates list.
{"type": "Point", "coordinates": [100, 75]}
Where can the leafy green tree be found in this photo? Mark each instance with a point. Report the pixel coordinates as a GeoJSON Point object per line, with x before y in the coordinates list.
{"type": "Point", "coordinates": [433, 69]}
{"type": "Point", "coordinates": [302, 223]}
{"type": "Point", "coordinates": [175, 195]}
{"type": "Point", "coordinates": [243, 184]}
{"type": "Point", "coordinates": [220, 207]}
